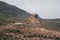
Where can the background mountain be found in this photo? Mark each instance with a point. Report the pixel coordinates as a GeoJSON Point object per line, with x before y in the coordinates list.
{"type": "Point", "coordinates": [13, 13]}
{"type": "Point", "coordinates": [9, 11]}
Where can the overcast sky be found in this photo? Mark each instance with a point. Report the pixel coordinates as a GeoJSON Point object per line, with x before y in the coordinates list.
{"type": "Point", "coordinates": [45, 8]}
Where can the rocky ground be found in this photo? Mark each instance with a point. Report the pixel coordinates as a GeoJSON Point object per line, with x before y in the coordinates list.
{"type": "Point", "coordinates": [27, 32]}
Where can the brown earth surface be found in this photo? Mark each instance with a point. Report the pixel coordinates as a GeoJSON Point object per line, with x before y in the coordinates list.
{"type": "Point", "coordinates": [27, 32]}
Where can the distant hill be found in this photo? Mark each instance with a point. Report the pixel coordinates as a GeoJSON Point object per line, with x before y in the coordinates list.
{"type": "Point", "coordinates": [53, 24]}
{"type": "Point", "coordinates": [53, 20]}
{"type": "Point", "coordinates": [13, 13]}
{"type": "Point", "coordinates": [9, 11]}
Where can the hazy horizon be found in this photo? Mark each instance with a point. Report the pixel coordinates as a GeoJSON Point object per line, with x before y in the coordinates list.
{"type": "Point", "coordinates": [44, 8]}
